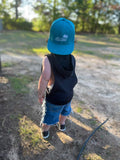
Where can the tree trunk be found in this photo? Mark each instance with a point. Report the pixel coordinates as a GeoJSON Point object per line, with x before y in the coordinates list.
{"type": "Point", "coordinates": [54, 10]}
{"type": "Point", "coordinates": [0, 66]}
{"type": "Point", "coordinates": [16, 9]}
{"type": "Point", "coordinates": [119, 23]}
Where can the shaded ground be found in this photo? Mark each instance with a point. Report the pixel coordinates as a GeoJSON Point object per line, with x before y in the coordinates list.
{"type": "Point", "coordinates": [96, 98]}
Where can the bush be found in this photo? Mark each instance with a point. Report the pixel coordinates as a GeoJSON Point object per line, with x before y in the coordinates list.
{"type": "Point", "coordinates": [20, 24]}
{"type": "Point", "coordinates": [105, 29]}
{"type": "Point", "coordinates": [38, 25]}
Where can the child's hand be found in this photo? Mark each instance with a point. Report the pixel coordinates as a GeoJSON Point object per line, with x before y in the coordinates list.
{"type": "Point", "coordinates": [40, 97]}
{"type": "Point", "coordinates": [40, 100]}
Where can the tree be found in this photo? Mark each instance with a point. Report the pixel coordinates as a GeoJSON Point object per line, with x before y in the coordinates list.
{"type": "Point", "coordinates": [48, 9]}
{"type": "Point", "coordinates": [82, 9]}
{"type": "Point", "coordinates": [67, 8]}
{"type": "Point", "coordinates": [15, 5]}
{"type": "Point", "coordinates": [4, 8]}
{"type": "Point", "coordinates": [116, 13]}
{"type": "Point", "coordinates": [101, 16]}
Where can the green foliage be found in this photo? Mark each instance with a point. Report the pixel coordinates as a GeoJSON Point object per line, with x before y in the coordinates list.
{"type": "Point", "coordinates": [39, 25]}
{"type": "Point", "coordinates": [19, 24]}
{"type": "Point", "coordinates": [48, 10]}
{"type": "Point", "coordinates": [4, 10]}
{"type": "Point", "coordinates": [98, 16]}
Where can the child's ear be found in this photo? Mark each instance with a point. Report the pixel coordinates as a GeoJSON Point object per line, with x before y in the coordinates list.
{"type": "Point", "coordinates": [46, 40]}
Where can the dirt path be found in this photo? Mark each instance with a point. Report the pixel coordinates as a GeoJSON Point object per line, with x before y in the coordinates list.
{"type": "Point", "coordinates": [99, 88]}
{"type": "Point", "coordinates": [96, 98]}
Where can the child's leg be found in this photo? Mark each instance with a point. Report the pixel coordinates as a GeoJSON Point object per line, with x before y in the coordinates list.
{"type": "Point", "coordinates": [45, 130]}
{"type": "Point", "coordinates": [45, 127]}
{"type": "Point", "coordinates": [62, 119]}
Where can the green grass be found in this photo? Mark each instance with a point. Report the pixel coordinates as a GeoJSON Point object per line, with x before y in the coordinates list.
{"type": "Point", "coordinates": [19, 84]}
{"type": "Point", "coordinates": [79, 109]}
{"type": "Point", "coordinates": [34, 43]}
{"type": "Point", "coordinates": [31, 139]}
{"type": "Point", "coordinates": [101, 38]}
{"type": "Point", "coordinates": [7, 64]}
{"type": "Point", "coordinates": [96, 54]}
{"type": "Point", "coordinates": [94, 44]}
{"type": "Point", "coordinates": [40, 51]}
{"type": "Point", "coordinates": [22, 42]}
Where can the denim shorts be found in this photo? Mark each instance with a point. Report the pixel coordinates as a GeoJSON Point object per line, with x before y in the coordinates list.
{"type": "Point", "coordinates": [52, 112]}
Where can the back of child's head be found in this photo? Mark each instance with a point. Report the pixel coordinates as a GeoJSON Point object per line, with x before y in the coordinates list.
{"type": "Point", "coordinates": [61, 38]}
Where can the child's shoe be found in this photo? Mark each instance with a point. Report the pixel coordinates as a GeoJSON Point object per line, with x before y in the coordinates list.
{"type": "Point", "coordinates": [45, 134]}
{"type": "Point", "coordinates": [62, 127]}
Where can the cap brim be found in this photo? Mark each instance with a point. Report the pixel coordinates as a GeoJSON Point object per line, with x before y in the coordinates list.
{"type": "Point", "coordinates": [59, 48]}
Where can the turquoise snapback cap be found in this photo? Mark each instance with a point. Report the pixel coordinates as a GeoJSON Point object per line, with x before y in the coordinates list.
{"type": "Point", "coordinates": [61, 38]}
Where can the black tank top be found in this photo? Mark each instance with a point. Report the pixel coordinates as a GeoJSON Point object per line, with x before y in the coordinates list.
{"type": "Point", "coordinates": [63, 68]}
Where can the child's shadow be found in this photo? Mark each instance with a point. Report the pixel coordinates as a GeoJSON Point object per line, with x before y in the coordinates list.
{"type": "Point", "coordinates": [67, 145]}
{"type": "Point", "coordinates": [101, 145]}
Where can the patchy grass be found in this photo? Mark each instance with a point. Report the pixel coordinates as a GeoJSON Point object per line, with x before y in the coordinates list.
{"type": "Point", "coordinates": [96, 54]}
{"type": "Point", "coordinates": [114, 39]}
{"type": "Point", "coordinates": [79, 110]}
{"type": "Point", "coordinates": [40, 51]}
{"type": "Point", "coordinates": [19, 84]}
{"type": "Point", "coordinates": [25, 42]}
{"type": "Point", "coordinates": [31, 137]}
{"type": "Point", "coordinates": [22, 42]}
{"type": "Point", "coordinates": [94, 45]}
{"type": "Point", "coordinates": [7, 64]}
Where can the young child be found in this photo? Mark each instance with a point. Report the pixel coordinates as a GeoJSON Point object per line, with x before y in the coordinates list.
{"type": "Point", "coordinates": [58, 76]}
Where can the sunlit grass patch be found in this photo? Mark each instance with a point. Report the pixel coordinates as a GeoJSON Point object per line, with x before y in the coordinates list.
{"type": "Point", "coordinates": [78, 53]}
{"type": "Point", "coordinates": [19, 84]}
{"type": "Point", "coordinates": [101, 55]}
{"type": "Point", "coordinates": [34, 43]}
{"type": "Point", "coordinates": [3, 40]}
{"type": "Point", "coordinates": [109, 56]}
{"type": "Point", "coordinates": [115, 39]}
{"type": "Point", "coordinates": [7, 64]}
{"type": "Point", "coordinates": [92, 42]}
{"type": "Point", "coordinates": [81, 52]}
{"type": "Point", "coordinates": [40, 51]}
{"type": "Point", "coordinates": [79, 109]}
{"type": "Point", "coordinates": [93, 156]}
{"type": "Point", "coordinates": [22, 42]}
{"type": "Point", "coordinates": [31, 139]}
{"type": "Point", "coordinates": [99, 38]}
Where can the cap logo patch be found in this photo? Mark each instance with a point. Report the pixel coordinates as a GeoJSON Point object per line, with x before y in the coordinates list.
{"type": "Point", "coordinates": [62, 39]}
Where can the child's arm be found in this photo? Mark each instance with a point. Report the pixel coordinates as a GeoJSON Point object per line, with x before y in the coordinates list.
{"type": "Point", "coordinates": [44, 78]}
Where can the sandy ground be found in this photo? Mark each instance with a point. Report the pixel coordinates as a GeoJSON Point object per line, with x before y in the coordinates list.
{"type": "Point", "coordinates": [98, 93]}
{"type": "Point", "coordinates": [99, 88]}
